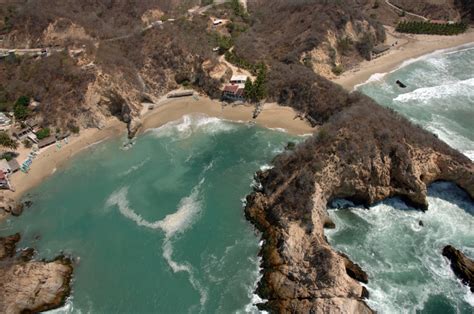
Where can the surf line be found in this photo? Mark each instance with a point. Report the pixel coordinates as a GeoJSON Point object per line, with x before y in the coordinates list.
{"type": "Point", "coordinates": [173, 224]}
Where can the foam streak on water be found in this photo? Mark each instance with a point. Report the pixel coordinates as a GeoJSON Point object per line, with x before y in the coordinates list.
{"type": "Point", "coordinates": [173, 224]}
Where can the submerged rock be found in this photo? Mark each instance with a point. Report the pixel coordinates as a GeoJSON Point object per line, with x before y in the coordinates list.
{"type": "Point", "coordinates": [462, 266]}
{"type": "Point", "coordinates": [31, 286]}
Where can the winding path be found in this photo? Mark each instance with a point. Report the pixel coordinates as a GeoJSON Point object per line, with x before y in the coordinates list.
{"type": "Point", "coordinates": [406, 12]}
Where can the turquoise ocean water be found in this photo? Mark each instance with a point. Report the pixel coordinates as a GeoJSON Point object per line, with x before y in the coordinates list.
{"type": "Point", "coordinates": [407, 273]}
{"type": "Point", "coordinates": [158, 228]}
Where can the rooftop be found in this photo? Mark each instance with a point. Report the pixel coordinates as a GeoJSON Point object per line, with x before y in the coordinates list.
{"type": "Point", "coordinates": [380, 48]}
{"type": "Point", "coordinates": [238, 78]}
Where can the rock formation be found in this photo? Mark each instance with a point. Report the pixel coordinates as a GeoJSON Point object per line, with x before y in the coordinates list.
{"type": "Point", "coordinates": [364, 153]}
{"type": "Point", "coordinates": [31, 286]}
{"type": "Point", "coordinates": [462, 266]}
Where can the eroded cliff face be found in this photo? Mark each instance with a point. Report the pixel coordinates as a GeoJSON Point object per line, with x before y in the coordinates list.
{"type": "Point", "coordinates": [364, 153]}
{"type": "Point", "coordinates": [31, 286]}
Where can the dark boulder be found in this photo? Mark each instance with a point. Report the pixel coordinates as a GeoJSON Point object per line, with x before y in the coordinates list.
{"type": "Point", "coordinates": [354, 270]}
{"type": "Point", "coordinates": [462, 266]}
{"type": "Point", "coordinates": [399, 83]}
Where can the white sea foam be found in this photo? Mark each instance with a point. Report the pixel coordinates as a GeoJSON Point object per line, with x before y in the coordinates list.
{"type": "Point", "coordinates": [279, 130]}
{"type": "Point", "coordinates": [189, 124]}
{"type": "Point", "coordinates": [428, 94]}
{"type": "Point", "coordinates": [255, 299]}
{"type": "Point", "coordinates": [188, 210]}
{"type": "Point", "coordinates": [404, 259]}
{"type": "Point", "coordinates": [266, 167]}
{"type": "Point", "coordinates": [134, 168]}
{"type": "Point", "coordinates": [376, 77]}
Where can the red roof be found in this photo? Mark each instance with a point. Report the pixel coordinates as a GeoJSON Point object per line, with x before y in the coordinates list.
{"type": "Point", "coordinates": [231, 88]}
{"type": "Point", "coordinates": [240, 92]}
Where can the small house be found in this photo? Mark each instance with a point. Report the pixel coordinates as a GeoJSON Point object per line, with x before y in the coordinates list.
{"type": "Point", "coordinates": [47, 141]}
{"type": "Point", "coordinates": [14, 165]}
{"type": "Point", "coordinates": [4, 120]}
{"type": "Point", "coordinates": [32, 137]}
{"type": "Point", "coordinates": [238, 79]}
{"type": "Point", "coordinates": [32, 123]}
{"type": "Point", "coordinates": [380, 50]}
{"type": "Point", "coordinates": [233, 92]}
{"type": "Point", "coordinates": [20, 134]}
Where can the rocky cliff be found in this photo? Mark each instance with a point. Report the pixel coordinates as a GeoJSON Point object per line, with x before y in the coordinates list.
{"type": "Point", "coordinates": [364, 153]}
{"type": "Point", "coordinates": [462, 266]}
{"type": "Point", "coordinates": [28, 286]}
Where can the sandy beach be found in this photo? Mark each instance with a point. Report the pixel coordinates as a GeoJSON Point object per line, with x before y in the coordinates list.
{"type": "Point", "coordinates": [52, 158]}
{"type": "Point", "coordinates": [408, 47]}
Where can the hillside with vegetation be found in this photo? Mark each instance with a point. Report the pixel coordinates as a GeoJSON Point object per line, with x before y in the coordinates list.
{"type": "Point", "coordinates": [319, 34]}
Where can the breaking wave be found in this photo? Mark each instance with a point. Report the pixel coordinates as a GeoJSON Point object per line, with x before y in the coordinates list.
{"type": "Point", "coordinates": [190, 124]}
{"type": "Point", "coordinates": [402, 258]}
{"type": "Point", "coordinates": [428, 94]}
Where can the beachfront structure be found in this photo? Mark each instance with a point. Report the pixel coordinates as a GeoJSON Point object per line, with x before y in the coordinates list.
{"type": "Point", "coordinates": [233, 92]}
{"type": "Point", "coordinates": [4, 121]}
{"type": "Point", "coordinates": [47, 141]}
{"type": "Point", "coordinates": [9, 166]}
{"type": "Point", "coordinates": [21, 134]}
{"type": "Point", "coordinates": [184, 93]}
{"type": "Point", "coordinates": [238, 79]}
{"type": "Point", "coordinates": [379, 50]}
{"type": "Point", "coordinates": [14, 165]}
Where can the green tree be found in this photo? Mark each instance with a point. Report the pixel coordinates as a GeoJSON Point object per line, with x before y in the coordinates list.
{"type": "Point", "coordinates": [249, 89]}
{"type": "Point", "coordinates": [43, 133]}
{"type": "Point", "coordinates": [23, 101]}
{"type": "Point", "coordinates": [259, 84]}
{"type": "Point", "coordinates": [21, 112]}
{"type": "Point", "coordinates": [7, 141]}
{"type": "Point", "coordinates": [257, 91]}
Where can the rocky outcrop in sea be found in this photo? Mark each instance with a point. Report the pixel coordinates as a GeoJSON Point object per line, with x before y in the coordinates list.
{"type": "Point", "coordinates": [462, 266]}
{"type": "Point", "coordinates": [30, 286]}
{"type": "Point", "coordinates": [365, 153]}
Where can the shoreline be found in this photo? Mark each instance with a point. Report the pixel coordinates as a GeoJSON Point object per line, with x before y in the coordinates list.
{"type": "Point", "coordinates": [51, 158]}
{"type": "Point", "coordinates": [410, 47]}
{"type": "Point", "coordinates": [272, 116]}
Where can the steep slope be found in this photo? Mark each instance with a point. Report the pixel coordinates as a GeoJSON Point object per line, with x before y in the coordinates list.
{"type": "Point", "coordinates": [320, 34]}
